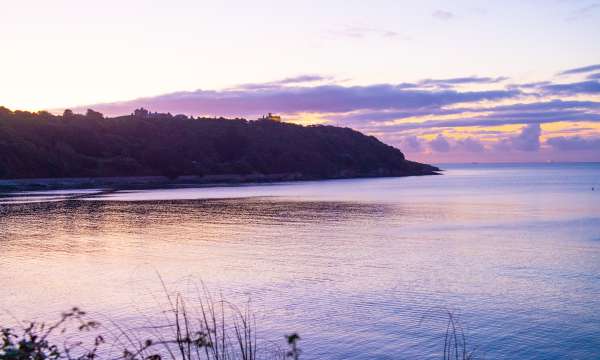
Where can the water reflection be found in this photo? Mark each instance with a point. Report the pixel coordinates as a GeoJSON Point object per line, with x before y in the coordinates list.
{"type": "Point", "coordinates": [73, 220]}
{"type": "Point", "coordinates": [362, 269]}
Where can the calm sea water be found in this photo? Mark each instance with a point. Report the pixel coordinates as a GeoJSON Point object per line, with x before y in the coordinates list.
{"type": "Point", "coordinates": [362, 269]}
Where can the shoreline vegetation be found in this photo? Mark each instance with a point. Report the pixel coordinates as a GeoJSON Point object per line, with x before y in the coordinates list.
{"type": "Point", "coordinates": [147, 148]}
{"type": "Point", "coordinates": [207, 330]}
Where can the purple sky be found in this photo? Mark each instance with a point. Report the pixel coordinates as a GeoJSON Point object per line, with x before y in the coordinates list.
{"type": "Point", "coordinates": [513, 80]}
{"type": "Point", "coordinates": [459, 119]}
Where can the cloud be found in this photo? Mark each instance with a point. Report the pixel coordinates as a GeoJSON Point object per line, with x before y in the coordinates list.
{"type": "Point", "coordinates": [580, 70]}
{"type": "Point", "coordinates": [452, 82]}
{"type": "Point", "coordinates": [440, 144]}
{"type": "Point", "coordinates": [595, 76]}
{"type": "Point", "coordinates": [461, 81]}
{"type": "Point", "coordinates": [551, 105]}
{"type": "Point", "coordinates": [545, 88]}
{"type": "Point", "coordinates": [250, 102]}
{"type": "Point", "coordinates": [530, 86]}
{"type": "Point", "coordinates": [536, 111]}
{"type": "Point", "coordinates": [300, 79]}
{"type": "Point", "coordinates": [502, 146]}
{"type": "Point", "coordinates": [358, 32]}
{"type": "Point", "coordinates": [583, 12]}
{"type": "Point", "coordinates": [470, 144]}
{"type": "Point", "coordinates": [574, 143]}
{"type": "Point", "coordinates": [528, 139]}
{"type": "Point", "coordinates": [442, 14]}
{"type": "Point", "coordinates": [376, 109]}
{"type": "Point", "coordinates": [404, 114]}
{"type": "Point", "coordinates": [582, 87]}
{"type": "Point", "coordinates": [494, 120]}
{"type": "Point", "coordinates": [412, 143]}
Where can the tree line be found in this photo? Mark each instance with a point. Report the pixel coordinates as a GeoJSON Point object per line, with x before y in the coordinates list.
{"type": "Point", "coordinates": [43, 145]}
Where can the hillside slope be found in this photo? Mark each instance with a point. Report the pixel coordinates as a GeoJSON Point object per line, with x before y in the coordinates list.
{"type": "Point", "coordinates": [41, 145]}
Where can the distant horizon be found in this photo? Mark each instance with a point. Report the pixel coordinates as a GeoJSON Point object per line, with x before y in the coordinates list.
{"type": "Point", "coordinates": [550, 162]}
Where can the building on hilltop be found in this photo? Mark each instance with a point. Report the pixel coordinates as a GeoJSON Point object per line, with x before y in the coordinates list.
{"type": "Point", "coordinates": [271, 117]}
{"type": "Point", "coordinates": [141, 112]}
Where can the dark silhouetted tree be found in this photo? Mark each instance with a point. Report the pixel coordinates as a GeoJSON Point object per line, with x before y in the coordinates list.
{"type": "Point", "coordinates": [93, 114]}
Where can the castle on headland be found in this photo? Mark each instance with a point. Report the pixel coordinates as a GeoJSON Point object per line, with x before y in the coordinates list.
{"type": "Point", "coordinates": [141, 112]}
{"type": "Point", "coordinates": [271, 117]}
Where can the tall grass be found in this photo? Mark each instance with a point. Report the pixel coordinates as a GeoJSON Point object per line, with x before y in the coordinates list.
{"type": "Point", "coordinates": [216, 330]}
{"type": "Point", "coordinates": [455, 341]}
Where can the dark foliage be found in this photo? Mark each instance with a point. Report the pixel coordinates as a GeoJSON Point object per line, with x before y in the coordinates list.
{"type": "Point", "coordinates": [42, 145]}
{"type": "Point", "coordinates": [219, 331]}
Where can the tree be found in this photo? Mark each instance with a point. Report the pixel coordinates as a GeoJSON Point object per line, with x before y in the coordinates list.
{"type": "Point", "coordinates": [93, 114]}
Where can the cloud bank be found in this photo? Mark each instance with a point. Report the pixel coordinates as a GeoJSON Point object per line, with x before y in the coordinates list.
{"type": "Point", "coordinates": [255, 100]}
{"type": "Point", "coordinates": [476, 116]}
{"type": "Point", "coordinates": [579, 70]}
{"type": "Point", "coordinates": [442, 15]}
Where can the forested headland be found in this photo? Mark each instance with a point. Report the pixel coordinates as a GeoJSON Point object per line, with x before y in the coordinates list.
{"type": "Point", "coordinates": [43, 145]}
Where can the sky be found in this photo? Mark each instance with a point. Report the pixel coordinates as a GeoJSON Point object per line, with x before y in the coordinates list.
{"type": "Point", "coordinates": [460, 81]}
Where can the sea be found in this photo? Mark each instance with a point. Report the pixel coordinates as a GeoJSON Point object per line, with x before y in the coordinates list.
{"type": "Point", "coordinates": [359, 268]}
